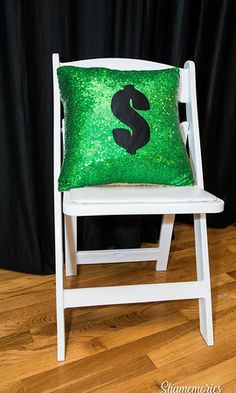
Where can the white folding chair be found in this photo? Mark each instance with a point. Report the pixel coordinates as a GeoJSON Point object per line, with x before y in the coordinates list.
{"type": "Point", "coordinates": [167, 201]}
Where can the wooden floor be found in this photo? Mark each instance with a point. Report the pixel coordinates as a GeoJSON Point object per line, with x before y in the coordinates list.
{"type": "Point", "coordinates": [128, 348]}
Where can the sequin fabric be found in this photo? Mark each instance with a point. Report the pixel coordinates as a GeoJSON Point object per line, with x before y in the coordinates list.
{"type": "Point", "coordinates": [91, 155]}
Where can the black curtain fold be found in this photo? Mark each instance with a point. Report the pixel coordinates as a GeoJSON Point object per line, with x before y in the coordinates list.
{"type": "Point", "coordinates": [168, 31]}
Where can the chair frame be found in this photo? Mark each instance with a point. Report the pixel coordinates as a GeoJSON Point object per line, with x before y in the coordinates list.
{"type": "Point", "coordinates": [80, 297]}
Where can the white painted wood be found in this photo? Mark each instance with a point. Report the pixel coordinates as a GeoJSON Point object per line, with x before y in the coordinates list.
{"type": "Point", "coordinates": [168, 220]}
{"type": "Point", "coordinates": [124, 294]}
{"type": "Point", "coordinates": [203, 274]}
{"type": "Point", "coordinates": [70, 245]}
{"type": "Point", "coordinates": [140, 194]}
{"type": "Point", "coordinates": [135, 64]}
{"type": "Point", "coordinates": [192, 118]}
{"type": "Point", "coordinates": [117, 256]}
{"type": "Point", "coordinates": [94, 201]}
{"type": "Point", "coordinates": [184, 130]}
{"type": "Point", "coordinates": [165, 241]}
{"type": "Point", "coordinates": [70, 225]}
{"type": "Point", "coordinates": [63, 135]}
{"type": "Point", "coordinates": [119, 64]}
{"type": "Point", "coordinates": [58, 215]}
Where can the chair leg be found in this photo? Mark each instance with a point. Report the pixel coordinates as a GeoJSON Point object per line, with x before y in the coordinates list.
{"type": "Point", "coordinates": [203, 274]}
{"type": "Point", "coordinates": [60, 298]}
{"type": "Point", "coordinates": [70, 245]}
{"type": "Point", "coordinates": [60, 331]}
{"type": "Point", "coordinates": [165, 241]}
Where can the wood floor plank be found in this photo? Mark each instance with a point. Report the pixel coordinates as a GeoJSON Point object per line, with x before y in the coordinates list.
{"type": "Point", "coordinates": [191, 344]}
{"type": "Point", "coordinates": [229, 387]}
{"type": "Point", "coordinates": [16, 387]}
{"type": "Point", "coordinates": [104, 363]}
{"type": "Point", "coordinates": [220, 374]}
{"type": "Point", "coordinates": [151, 381]}
{"type": "Point", "coordinates": [117, 372]}
{"type": "Point", "coordinates": [92, 355]}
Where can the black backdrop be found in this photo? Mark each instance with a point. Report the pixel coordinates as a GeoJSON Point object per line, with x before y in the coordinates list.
{"type": "Point", "coordinates": [161, 30]}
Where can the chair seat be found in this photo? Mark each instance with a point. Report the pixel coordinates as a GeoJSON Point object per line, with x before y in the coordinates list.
{"type": "Point", "coordinates": [108, 200]}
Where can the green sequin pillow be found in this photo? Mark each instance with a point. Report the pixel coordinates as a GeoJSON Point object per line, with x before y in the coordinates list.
{"type": "Point", "coordinates": [121, 127]}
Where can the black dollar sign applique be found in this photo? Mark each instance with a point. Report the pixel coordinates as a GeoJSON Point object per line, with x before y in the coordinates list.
{"type": "Point", "coordinates": [122, 109]}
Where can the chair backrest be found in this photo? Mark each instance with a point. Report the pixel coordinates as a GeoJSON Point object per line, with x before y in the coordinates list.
{"type": "Point", "coordinates": [187, 95]}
